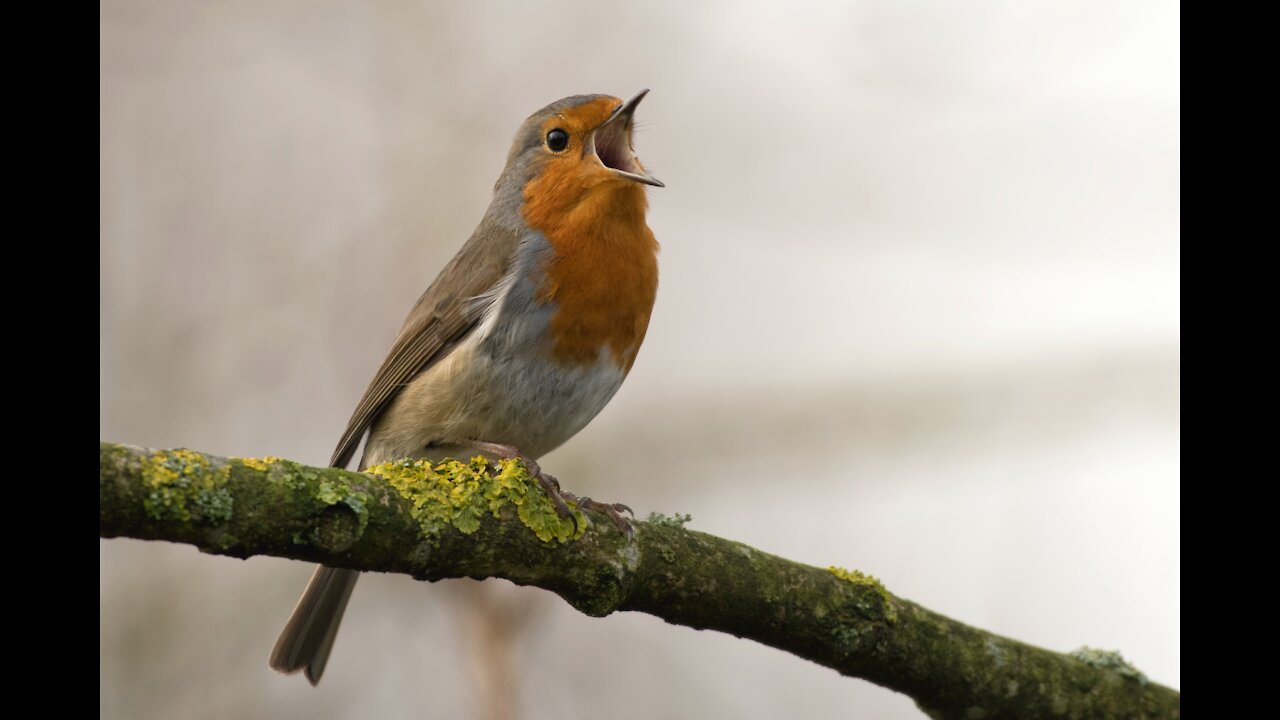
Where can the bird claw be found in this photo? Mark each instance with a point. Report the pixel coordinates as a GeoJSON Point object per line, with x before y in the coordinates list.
{"type": "Point", "coordinates": [559, 497]}
{"type": "Point", "coordinates": [551, 487]}
{"type": "Point", "coordinates": [612, 510]}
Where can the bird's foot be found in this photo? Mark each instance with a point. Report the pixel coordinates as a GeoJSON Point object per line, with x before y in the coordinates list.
{"type": "Point", "coordinates": [559, 498]}
{"type": "Point", "coordinates": [612, 510]}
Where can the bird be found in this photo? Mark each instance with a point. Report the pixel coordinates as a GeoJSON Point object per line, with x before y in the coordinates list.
{"type": "Point", "coordinates": [523, 337]}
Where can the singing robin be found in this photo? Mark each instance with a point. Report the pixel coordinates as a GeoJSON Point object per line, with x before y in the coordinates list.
{"type": "Point", "coordinates": [523, 337]}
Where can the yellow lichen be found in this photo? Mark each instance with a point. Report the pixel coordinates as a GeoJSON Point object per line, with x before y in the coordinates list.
{"type": "Point", "coordinates": [861, 579]}
{"type": "Point", "coordinates": [261, 464]}
{"type": "Point", "coordinates": [458, 494]}
{"type": "Point", "coordinates": [857, 577]}
{"type": "Point", "coordinates": [183, 481]}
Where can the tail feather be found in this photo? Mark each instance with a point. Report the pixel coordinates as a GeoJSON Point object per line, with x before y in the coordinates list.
{"type": "Point", "coordinates": [306, 640]}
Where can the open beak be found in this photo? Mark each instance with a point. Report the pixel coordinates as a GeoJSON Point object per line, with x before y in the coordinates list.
{"type": "Point", "coordinates": [611, 144]}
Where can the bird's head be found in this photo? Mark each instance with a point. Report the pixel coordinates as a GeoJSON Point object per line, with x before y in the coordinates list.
{"type": "Point", "coordinates": [575, 150]}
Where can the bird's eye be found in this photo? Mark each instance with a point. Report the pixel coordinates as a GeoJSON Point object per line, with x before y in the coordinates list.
{"type": "Point", "coordinates": [557, 140]}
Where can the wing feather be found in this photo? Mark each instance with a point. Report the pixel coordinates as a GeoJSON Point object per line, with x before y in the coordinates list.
{"type": "Point", "coordinates": [450, 309]}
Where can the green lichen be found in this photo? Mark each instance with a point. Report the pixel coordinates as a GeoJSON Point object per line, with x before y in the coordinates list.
{"type": "Point", "coordinates": [298, 477]}
{"type": "Point", "coordinates": [1110, 660]}
{"type": "Point", "coordinates": [337, 491]}
{"type": "Point", "coordinates": [458, 494]}
{"type": "Point", "coordinates": [184, 485]}
{"type": "Point", "coordinates": [331, 493]}
{"type": "Point", "coordinates": [861, 579]}
{"type": "Point", "coordinates": [215, 505]}
{"type": "Point", "coordinates": [677, 520]}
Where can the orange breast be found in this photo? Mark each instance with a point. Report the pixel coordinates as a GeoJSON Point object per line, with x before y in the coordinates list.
{"type": "Point", "coordinates": [603, 276]}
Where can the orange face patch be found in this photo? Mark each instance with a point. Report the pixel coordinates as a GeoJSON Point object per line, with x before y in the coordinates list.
{"type": "Point", "coordinates": [579, 122]}
{"type": "Point", "coordinates": [603, 275]}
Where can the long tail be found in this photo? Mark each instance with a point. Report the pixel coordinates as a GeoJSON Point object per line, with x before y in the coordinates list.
{"type": "Point", "coordinates": [306, 640]}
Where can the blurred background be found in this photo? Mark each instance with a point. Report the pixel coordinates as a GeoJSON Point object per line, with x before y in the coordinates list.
{"type": "Point", "coordinates": [919, 316]}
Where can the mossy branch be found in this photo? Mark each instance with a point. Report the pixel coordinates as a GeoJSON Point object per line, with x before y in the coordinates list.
{"type": "Point", "coordinates": [483, 519]}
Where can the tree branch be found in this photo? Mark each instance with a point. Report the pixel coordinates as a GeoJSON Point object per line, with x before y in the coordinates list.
{"type": "Point", "coordinates": [482, 520]}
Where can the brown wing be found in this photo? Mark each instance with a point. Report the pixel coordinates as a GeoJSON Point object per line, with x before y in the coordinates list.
{"type": "Point", "coordinates": [445, 314]}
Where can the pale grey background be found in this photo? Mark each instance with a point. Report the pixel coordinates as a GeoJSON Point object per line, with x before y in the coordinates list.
{"type": "Point", "coordinates": [919, 315]}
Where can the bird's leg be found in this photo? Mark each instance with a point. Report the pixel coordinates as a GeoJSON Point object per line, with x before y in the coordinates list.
{"type": "Point", "coordinates": [552, 487]}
